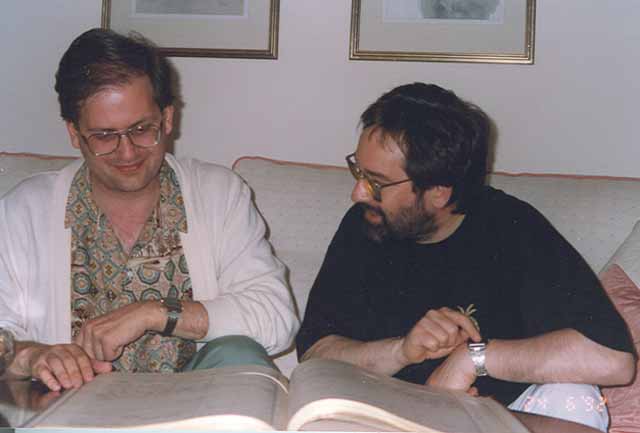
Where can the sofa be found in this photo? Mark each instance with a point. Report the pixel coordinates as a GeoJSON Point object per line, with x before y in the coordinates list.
{"type": "Point", "coordinates": [303, 204]}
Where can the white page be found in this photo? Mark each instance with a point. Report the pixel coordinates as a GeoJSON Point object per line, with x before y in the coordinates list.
{"type": "Point", "coordinates": [330, 390]}
{"type": "Point", "coordinates": [244, 396]}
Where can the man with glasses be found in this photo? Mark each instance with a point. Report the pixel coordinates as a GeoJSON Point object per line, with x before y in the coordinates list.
{"type": "Point", "coordinates": [129, 257]}
{"type": "Point", "coordinates": [433, 277]}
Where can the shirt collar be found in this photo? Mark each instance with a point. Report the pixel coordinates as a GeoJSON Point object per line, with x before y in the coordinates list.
{"type": "Point", "coordinates": [81, 209]}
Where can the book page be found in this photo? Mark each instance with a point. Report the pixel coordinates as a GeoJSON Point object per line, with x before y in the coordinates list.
{"type": "Point", "coordinates": [229, 398]}
{"type": "Point", "coordinates": [331, 390]}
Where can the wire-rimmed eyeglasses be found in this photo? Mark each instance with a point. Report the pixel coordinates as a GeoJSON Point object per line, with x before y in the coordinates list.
{"type": "Point", "coordinates": [374, 188]}
{"type": "Point", "coordinates": [143, 135]}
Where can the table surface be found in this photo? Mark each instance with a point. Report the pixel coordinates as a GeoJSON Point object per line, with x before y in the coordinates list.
{"type": "Point", "coordinates": [20, 400]}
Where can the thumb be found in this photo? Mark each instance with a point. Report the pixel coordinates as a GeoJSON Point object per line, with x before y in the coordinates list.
{"type": "Point", "coordinates": [101, 366]}
{"type": "Point", "coordinates": [473, 391]}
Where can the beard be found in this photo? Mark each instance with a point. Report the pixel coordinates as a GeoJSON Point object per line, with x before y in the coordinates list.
{"type": "Point", "coordinates": [412, 222]}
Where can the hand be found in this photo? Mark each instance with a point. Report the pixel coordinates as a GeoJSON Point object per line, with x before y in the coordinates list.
{"type": "Point", "coordinates": [436, 334]}
{"type": "Point", "coordinates": [456, 372]}
{"type": "Point", "coordinates": [103, 338]}
{"type": "Point", "coordinates": [57, 366]}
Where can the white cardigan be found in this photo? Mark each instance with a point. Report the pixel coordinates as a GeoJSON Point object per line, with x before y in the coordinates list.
{"type": "Point", "coordinates": [233, 272]}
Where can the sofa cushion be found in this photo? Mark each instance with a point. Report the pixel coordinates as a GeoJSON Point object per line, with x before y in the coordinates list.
{"type": "Point", "coordinates": [16, 166]}
{"type": "Point", "coordinates": [621, 280]}
{"type": "Point", "coordinates": [302, 205]}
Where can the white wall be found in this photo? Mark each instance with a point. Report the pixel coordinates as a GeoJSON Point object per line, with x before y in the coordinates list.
{"type": "Point", "coordinates": [33, 36]}
{"type": "Point", "coordinates": [574, 111]}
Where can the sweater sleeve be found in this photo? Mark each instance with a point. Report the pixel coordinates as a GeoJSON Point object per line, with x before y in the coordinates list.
{"type": "Point", "coordinates": [12, 288]}
{"type": "Point", "coordinates": [19, 259]}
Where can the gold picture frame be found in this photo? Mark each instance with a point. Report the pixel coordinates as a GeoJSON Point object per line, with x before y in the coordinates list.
{"type": "Point", "coordinates": [250, 35]}
{"type": "Point", "coordinates": [509, 38]}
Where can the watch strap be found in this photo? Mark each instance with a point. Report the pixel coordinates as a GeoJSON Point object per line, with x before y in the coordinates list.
{"type": "Point", "coordinates": [478, 357]}
{"type": "Point", "coordinates": [174, 308]}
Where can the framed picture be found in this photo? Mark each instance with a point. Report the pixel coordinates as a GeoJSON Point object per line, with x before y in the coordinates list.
{"type": "Point", "coordinates": [479, 31]}
{"type": "Point", "coordinates": [200, 28]}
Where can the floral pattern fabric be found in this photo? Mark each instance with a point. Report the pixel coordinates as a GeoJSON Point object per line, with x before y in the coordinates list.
{"type": "Point", "coordinates": [105, 277]}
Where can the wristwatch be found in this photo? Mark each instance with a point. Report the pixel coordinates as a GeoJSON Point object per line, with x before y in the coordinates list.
{"type": "Point", "coordinates": [174, 308]}
{"type": "Point", "coordinates": [7, 350]}
{"type": "Point", "coordinates": [477, 354]}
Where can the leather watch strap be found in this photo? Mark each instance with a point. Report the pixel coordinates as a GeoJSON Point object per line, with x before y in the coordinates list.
{"type": "Point", "coordinates": [174, 308]}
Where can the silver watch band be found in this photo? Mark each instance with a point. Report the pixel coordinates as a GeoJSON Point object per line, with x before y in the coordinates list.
{"type": "Point", "coordinates": [478, 357]}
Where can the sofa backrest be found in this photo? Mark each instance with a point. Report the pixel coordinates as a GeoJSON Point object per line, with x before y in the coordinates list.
{"type": "Point", "coordinates": [16, 166]}
{"type": "Point", "coordinates": [303, 205]}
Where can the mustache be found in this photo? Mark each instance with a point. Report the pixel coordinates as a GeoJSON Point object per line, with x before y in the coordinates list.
{"type": "Point", "coordinates": [364, 207]}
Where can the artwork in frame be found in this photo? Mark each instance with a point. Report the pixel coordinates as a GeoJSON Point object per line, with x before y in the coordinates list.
{"type": "Point", "coordinates": [200, 28]}
{"type": "Point", "coordinates": [477, 31]}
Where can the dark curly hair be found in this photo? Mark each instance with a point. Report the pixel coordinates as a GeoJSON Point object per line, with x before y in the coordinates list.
{"type": "Point", "coordinates": [99, 58]}
{"type": "Point", "coordinates": [444, 139]}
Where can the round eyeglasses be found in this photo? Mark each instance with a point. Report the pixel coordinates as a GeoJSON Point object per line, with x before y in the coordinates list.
{"type": "Point", "coordinates": [374, 188]}
{"type": "Point", "coordinates": [143, 135]}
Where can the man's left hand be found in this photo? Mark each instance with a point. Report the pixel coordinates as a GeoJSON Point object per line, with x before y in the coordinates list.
{"type": "Point", "coordinates": [457, 372]}
{"type": "Point", "coordinates": [104, 337]}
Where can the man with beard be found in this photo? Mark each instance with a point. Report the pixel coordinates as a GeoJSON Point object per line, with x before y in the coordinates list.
{"type": "Point", "coordinates": [434, 277]}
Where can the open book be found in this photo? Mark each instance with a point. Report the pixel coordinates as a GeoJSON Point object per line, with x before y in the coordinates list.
{"type": "Point", "coordinates": [321, 395]}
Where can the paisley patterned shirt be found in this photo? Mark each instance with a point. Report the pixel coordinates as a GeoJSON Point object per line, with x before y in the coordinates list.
{"type": "Point", "coordinates": [104, 277]}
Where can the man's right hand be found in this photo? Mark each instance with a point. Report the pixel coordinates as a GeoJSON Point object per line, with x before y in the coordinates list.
{"type": "Point", "coordinates": [436, 334]}
{"type": "Point", "coordinates": [59, 366]}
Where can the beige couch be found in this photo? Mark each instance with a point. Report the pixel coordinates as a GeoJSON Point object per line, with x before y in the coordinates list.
{"type": "Point", "coordinates": [303, 204]}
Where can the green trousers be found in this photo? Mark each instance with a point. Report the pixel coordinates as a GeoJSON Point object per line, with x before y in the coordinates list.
{"type": "Point", "coordinates": [230, 350]}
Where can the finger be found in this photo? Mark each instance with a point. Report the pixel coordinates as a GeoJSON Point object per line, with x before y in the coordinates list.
{"type": "Point", "coordinates": [83, 361]}
{"type": "Point", "coordinates": [93, 344]}
{"type": "Point", "coordinates": [70, 366]}
{"type": "Point", "coordinates": [45, 376]}
{"type": "Point", "coordinates": [58, 369]}
{"type": "Point", "coordinates": [463, 337]}
{"type": "Point", "coordinates": [101, 366]}
{"type": "Point", "coordinates": [463, 322]}
{"type": "Point", "coordinates": [433, 328]}
{"type": "Point", "coordinates": [473, 391]}
{"type": "Point", "coordinates": [111, 354]}
{"type": "Point", "coordinates": [110, 347]}
{"type": "Point", "coordinates": [424, 339]}
{"type": "Point", "coordinates": [98, 348]}
{"type": "Point", "coordinates": [448, 329]}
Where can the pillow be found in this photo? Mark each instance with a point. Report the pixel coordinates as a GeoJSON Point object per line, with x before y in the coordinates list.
{"type": "Point", "coordinates": [624, 401]}
{"type": "Point", "coordinates": [627, 256]}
